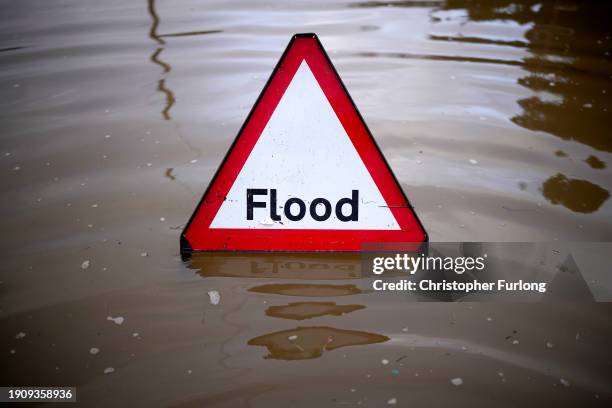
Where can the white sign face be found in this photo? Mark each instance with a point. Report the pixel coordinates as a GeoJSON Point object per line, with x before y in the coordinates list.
{"type": "Point", "coordinates": [304, 172]}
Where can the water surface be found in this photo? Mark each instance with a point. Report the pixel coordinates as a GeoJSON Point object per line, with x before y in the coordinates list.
{"type": "Point", "coordinates": [114, 116]}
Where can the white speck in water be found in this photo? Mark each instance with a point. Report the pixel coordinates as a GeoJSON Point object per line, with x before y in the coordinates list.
{"type": "Point", "coordinates": [144, 254]}
{"type": "Point", "coordinates": [500, 374]}
{"type": "Point", "coordinates": [109, 370]}
{"type": "Point", "coordinates": [564, 382]}
{"type": "Point", "coordinates": [117, 320]}
{"type": "Point", "coordinates": [15, 85]}
{"type": "Point", "coordinates": [194, 161]}
{"type": "Point", "coordinates": [292, 337]}
{"type": "Point", "coordinates": [135, 334]}
{"type": "Point", "coordinates": [13, 351]}
{"type": "Point", "coordinates": [515, 342]}
{"type": "Point", "coordinates": [472, 161]}
{"type": "Point", "coordinates": [385, 361]}
{"type": "Point", "coordinates": [549, 344]}
{"type": "Point", "coordinates": [489, 319]}
{"type": "Point", "coordinates": [85, 265]}
{"type": "Point", "coordinates": [419, 162]}
{"type": "Point", "coordinates": [189, 371]}
{"type": "Point", "coordinates": [587, 105]}
{"type": "Point", "coordinates": [392, 401]}
{"type": "Point", "coordinates": [457, 381]}
{"type": "Point", "coordinates": [89, 225]}
{"type": "Point", "coordinates": [20, 335]}
{"type": "Point", "coordinates": [107, 136]}
{"type": "Point", "coordinates": [94, 206]}
{"type": "Point", "coordinates": [162, 219]}
{"type": "Point", "coordinates": [149, 164]}
{"type": "Point", "coordinates": [16, 168]}
{"type": "Point", "coordinates": [214, 296]}
{"type": "Point", "coordinates": [94, 351]}
{"type": "Point", "coordinates": [405, 330]}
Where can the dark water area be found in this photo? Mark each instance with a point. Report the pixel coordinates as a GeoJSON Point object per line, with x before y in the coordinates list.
{"type": "Point", "coordinates": [114, 116]}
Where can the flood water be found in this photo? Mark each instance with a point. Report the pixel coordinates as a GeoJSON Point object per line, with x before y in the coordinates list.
{"type": "Point", "coordinates": [114, 116]}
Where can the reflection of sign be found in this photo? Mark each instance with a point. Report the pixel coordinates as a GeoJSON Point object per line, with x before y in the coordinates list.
{"type": "Point", "coordinates": [287, 266]}
{"type": "Point", "coordinates": [304, 173]}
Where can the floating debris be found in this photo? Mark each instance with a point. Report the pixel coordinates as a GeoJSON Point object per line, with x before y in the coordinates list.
{"type": "Point", "coordinates": [144, 254]}
{"type": "Point", "coordinates": [20, 335]}
{"type": "Point", "coordinates": [194, 161]}
{"type": "Point", "coordinates": [162, 219]}
{"type": "Point", "coordinates": [457, 381]}
{"type": "Point", "coordinates": [392, 401]}
{"type": "Point", "coordinates": [16, 168]}
{"type": "Point", "coordinates": [385, 361]}
{"type": "Point", "coordinates": [293, 337]}
{"type": "Point", "coordinates": [107, 136]}
{"type": "Point", "coordinates": [13, 351]}
{"type": "Point", "coordinates": [515, 342]}
{"type": "Point", "coordinates": [117, 320]}
{"type": "Point", "coordinates": [549, 344]}
{"type": "Point", "coordinates": [472, 161]}
{"type": "Point", "coordinates": [109, 370]}
{"type": "Point", "coordinates": [564, 382]}
{"type": "Point", "coordinates": [215, 297]}
{"type": "Point", "coordinates": [405, 330]}
{"type": "Point", "coordinates": [135, 334]}
{"type": "Point", "coordinates": [94, 351]}
{"type": "Point", "coordinates": [85, 265]}
{"type": "Point", "coordinates": [94, 206]}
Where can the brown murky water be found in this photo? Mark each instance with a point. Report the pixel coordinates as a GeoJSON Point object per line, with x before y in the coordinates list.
{"type": "Point", "coordinates": [114, 116]}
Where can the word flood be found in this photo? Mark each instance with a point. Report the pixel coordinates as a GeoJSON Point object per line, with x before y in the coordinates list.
{"type": "Point", "coordinates": [320, 209]}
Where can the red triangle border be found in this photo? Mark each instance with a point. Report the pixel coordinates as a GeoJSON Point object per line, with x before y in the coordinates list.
{"type": "Point", "coordinates": [197, 236]}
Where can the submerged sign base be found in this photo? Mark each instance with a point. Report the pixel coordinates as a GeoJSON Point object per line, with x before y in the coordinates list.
{"type": "Point", "coordinates": [304, 172]}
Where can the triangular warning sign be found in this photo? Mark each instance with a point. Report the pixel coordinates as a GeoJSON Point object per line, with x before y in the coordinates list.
{"type": "Point", "coordinates": [304, 173]}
